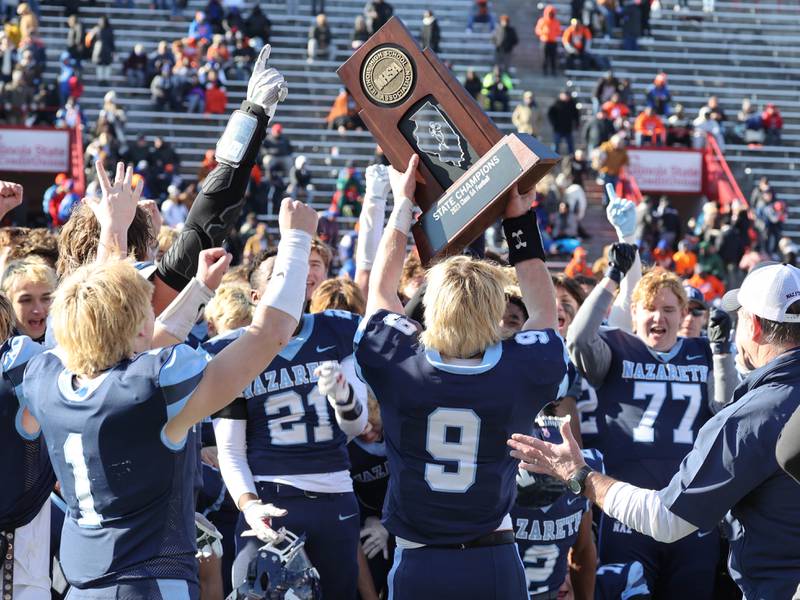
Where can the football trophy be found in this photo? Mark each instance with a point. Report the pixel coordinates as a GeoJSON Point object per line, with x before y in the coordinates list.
{"type": "Point", "coordinates": [412, 103]}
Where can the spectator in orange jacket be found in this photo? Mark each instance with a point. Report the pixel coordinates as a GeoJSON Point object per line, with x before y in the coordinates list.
{"type": "Point", "coordinates": [577, 40]}
{"type": "Point", "coordinates": [685, 260]}
{"type": "Point", "coordinates": [650, 128]}
{"type": "Point", "coordinates": [343, 115]}
{"type": "Point", "coordinates": [577, 264]}
{"type": "Point", "coordinates": [710, 285]}
{"type": "Point", "coordinates": [616, 108]}
{"type": "Point", "coordinates": [548, 30]}
{"type": "Point", "coordinates": [772, 122]}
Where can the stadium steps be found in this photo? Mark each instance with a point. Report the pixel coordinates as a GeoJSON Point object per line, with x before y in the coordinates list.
{"type": "Point", "coordinates": [313, 87]}
{"type": "Point", "coordinates": [741, 50]}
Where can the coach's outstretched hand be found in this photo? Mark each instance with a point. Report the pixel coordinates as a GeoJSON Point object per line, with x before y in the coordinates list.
{"type": "Point", "coordinates": [561, 461]}
{"type": "Point", "coordinates": [620, 259]}
{"type": "Point", "coordinates": [267, 86]}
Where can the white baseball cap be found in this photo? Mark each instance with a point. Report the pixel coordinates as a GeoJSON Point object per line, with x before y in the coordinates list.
{"type": "Point", "coordinates": [767, 292]}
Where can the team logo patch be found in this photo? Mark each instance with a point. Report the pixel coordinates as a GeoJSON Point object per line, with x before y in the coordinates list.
{"type": "Point", "coordinates": [387, 75]}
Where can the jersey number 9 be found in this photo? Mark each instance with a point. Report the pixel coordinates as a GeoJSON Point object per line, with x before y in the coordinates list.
{"type": "Point", "coordinates": [452, 438]}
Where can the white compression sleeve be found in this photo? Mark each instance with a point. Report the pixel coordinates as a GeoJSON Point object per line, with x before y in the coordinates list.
{"type": "Point", "coordinates": [182, 313]}
{"type": "Point", "coordinates": [354, 427]}
{"type": "Point", "coordinates": [231, 437]}
{"type": "Point", "coordinates": [370, 229]}
{"type": "Point", "coordinates": [642, 510]}
{"type": "Point", "coordinates": [286, 289]}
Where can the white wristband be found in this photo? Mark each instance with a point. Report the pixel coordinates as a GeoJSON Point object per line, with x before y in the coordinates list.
{"type": "Point", "coordinates": [286, 290]}
{"type": "Point", "coordinates": [403, 215]}
{"type": "Point", "coordinates": [180, 316]}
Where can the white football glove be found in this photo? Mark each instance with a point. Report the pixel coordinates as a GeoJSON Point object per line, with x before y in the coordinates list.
{"type": "Point", "coordinates": [209, 539]}
{"type": "Point", "coordinates": [259, 517]}
{"type": "Point", "coordinates": [621, 213]}
{"type": "Point", "coordinates": [377, 181]}
{"type": "Point", "coordinates": [375, 538]}
{"type": "Point", "coordinates": [267, 86]}
{"type": "Point", "coordinates": [333, 384]}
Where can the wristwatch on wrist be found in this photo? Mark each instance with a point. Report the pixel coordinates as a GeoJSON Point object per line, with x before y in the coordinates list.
{"type": "Point", "coordinates": [577, 483]}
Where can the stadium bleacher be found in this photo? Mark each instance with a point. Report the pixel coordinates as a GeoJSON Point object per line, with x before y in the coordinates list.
{"type": "Point", "coordinates": [741, 50]}
{"type": "Point", "coordinates": [312, 87]}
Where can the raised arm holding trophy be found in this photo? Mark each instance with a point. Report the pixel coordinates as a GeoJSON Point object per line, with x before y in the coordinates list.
{"type": "Point", "coordinates": [412, 104]}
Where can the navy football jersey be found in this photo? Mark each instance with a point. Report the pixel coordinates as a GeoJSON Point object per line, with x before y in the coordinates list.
{"type": "Point", "coordinates": [651, 406]}
{"type": "Point", "coordinates": [24, 464]}
{"type": "Point", "coordinates": [369, 469]}
{"type": "Point", "coordinates": [545, 534]}
{"type": "Point", "coordinates": [291, 426]}
{"type": "Point", "coordinates": [128, 489]}
{"type": "Point", "coordinates": [446, 426]}
{"type": "Point", "coordinates": [621, 581]}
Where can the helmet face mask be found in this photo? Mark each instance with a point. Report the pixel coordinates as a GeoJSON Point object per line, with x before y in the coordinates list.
{"type": "Point", "coordinates": [280, 571]}
{"type": "Point", "coordinates": [536, 491]}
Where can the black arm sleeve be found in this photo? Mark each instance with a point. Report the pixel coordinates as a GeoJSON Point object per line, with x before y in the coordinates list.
{"type": "Point", "coordinates": [216, 208]}
{"type": "Point", "coordinates": [235, 410]}
{"type": "Point", "coordinates": [788, 449]}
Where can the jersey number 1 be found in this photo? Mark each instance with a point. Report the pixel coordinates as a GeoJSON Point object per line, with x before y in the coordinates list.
{"type": "Point", "coordinates": [452, 438]}
{"type": "Point", "coordinates": [73, 454]}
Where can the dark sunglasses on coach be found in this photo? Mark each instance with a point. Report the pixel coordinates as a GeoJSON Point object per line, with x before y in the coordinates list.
{"type": "Point", "coordinates": [697, 312]}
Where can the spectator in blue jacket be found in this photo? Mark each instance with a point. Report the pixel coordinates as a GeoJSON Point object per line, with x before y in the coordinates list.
{"type": "Point", "coordinates": [658, 96]}
{"type": "Point", "coordinates": [199, 27]}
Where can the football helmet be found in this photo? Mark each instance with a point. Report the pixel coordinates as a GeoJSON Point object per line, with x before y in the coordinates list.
{"type": "Point", "coordinates": [535, 490]}
{"type": "Point", "coordinates": [280, 571]}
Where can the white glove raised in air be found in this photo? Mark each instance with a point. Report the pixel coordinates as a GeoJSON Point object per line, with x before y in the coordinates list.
{"type": "Point", "coordinates": [374, 538]}
{"type": "Point", "coordinates": [377, 181]}
{"type": "Point", "coordinates": [333, 384]}
{"type": "Point", "coordinates": [259, 517]}
{"type": "Point", "coordinates": [209, 539]}
{"type": "Point", "coordinates": [621, 213]}
{"type": "Point", "coordinates": [267, 86]}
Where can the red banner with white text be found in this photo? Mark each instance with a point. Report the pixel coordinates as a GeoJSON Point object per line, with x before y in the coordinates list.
{"type": "Point", "coordinates": [666, 171]}
{"type": "Point", "coordinates": [34, 150]}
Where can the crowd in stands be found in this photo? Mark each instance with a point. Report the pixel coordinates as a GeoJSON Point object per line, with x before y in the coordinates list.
{"type": "Point", "coordinates": [711, 251]}
{"type": "Point", "coordinates": [190, 74]}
